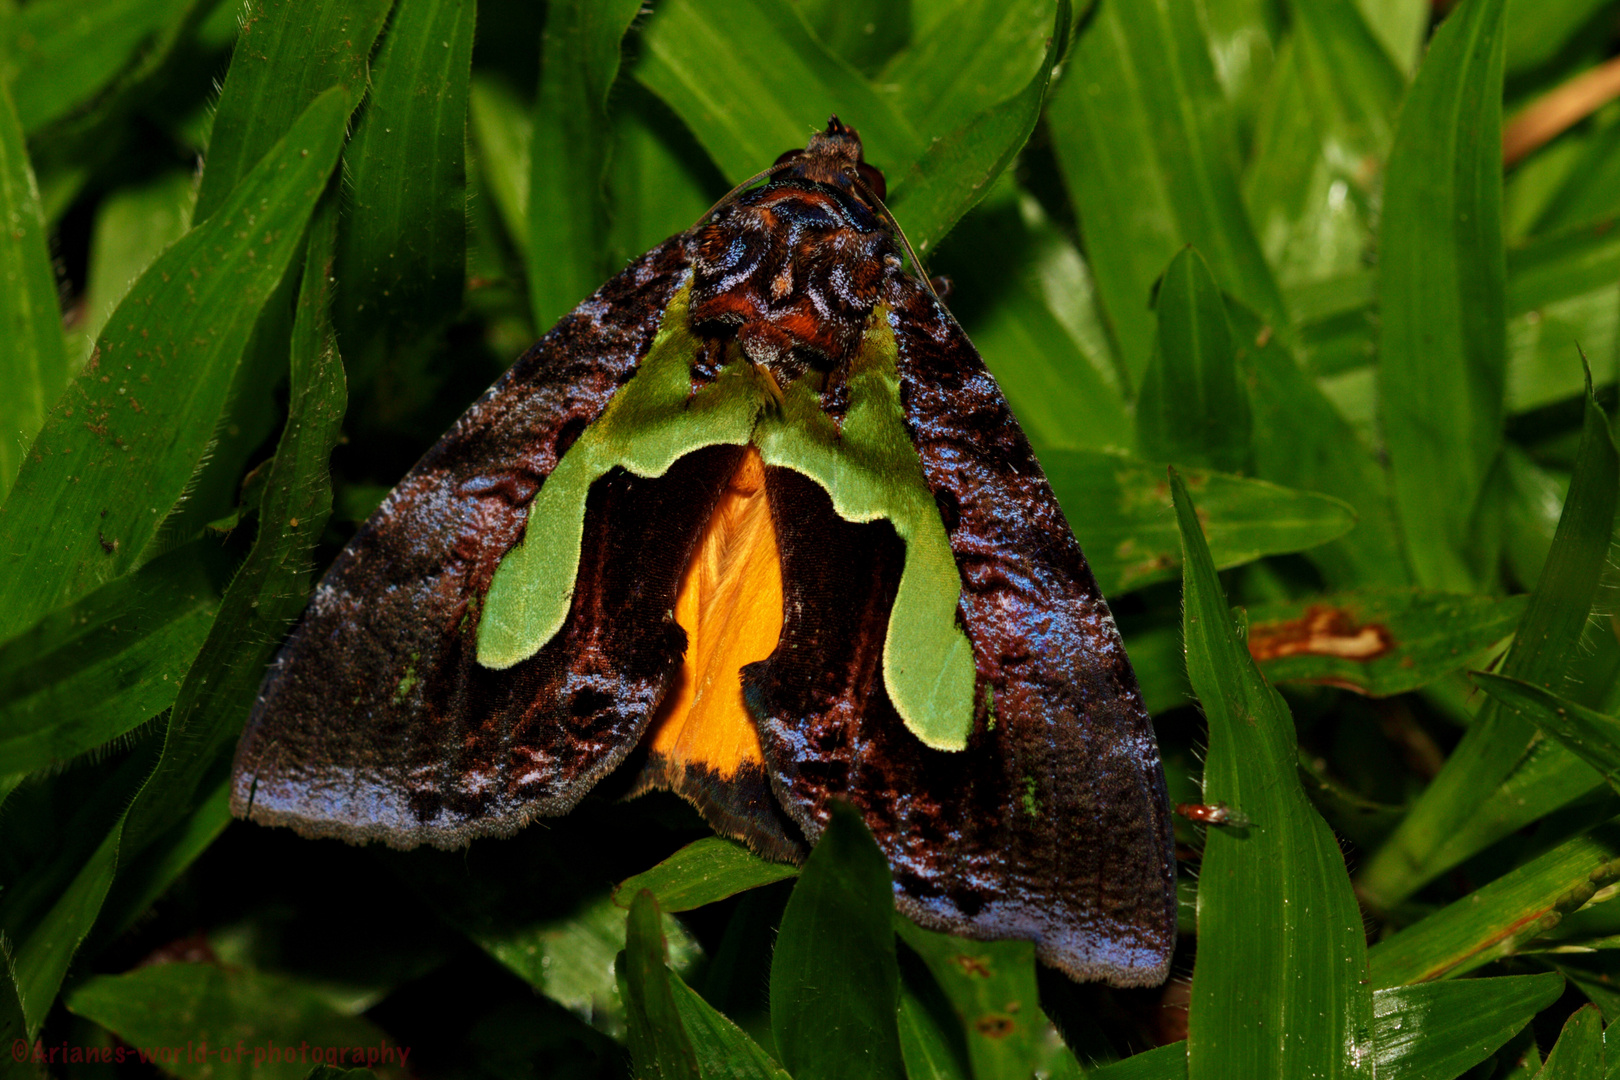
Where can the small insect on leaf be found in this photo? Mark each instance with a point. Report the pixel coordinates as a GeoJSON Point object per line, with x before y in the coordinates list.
{"type": "Point", "coordinates": [752, 524]}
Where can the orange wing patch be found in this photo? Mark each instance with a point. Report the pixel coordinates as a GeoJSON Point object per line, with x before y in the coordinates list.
{"type": "Point", "coordinates": [730, 605]}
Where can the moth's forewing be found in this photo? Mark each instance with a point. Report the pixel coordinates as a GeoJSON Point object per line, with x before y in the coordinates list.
{"type": "Point", "coordinates": [376, 721]}
{"type": "Point", "coordinates": [1053, 823]}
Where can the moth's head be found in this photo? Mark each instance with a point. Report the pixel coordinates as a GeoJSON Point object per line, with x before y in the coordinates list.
{"type": "Point", "coordinates": [834, 157]}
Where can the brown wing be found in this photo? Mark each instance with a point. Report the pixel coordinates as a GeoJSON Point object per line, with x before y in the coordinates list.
{"type": "Point", "coordinates": [1053, 824]}
{"type": "Point", "coordinates": [376, 722]}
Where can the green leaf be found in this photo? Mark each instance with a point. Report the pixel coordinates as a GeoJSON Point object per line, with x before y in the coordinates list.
{"type": "Point", "coordinates": [1428, 841]}
{"type": "Point", "coordinates": [991, 987]}
{"type": "Point", "coordinates": [13, 1027]}
{"type": "Point", "coordinates": [834, 982]}
{"type": "Point", "coordinates": [1401, 26]}
{"type": "Point", "coordinates": [723, 1050]}
{"type": "Point", "coordinates": [1145, 143]}
{"type": "Point", "coordinates": [91, 672]}
{"type": "Point", "coordinates": [1537, 30]}
{"type": "Point", "coordinates": [168, 1013]}
{"type": "Point", "coordinates": [572, 137]}
{"type": "Point", "coordinates": [1441, 273]}
{"type": "Point", "coordinates": [1302, 440]}
{"type": "Point", "coordinates": [33, 357]}
{"type": "Point", "coordinates": [1280, 987]}
{"type": "Point", "coordinates": [956, 171]}
{"type": "Point", "coordinates": [275, 75]}
{"type": "Point", "coordinates": [43, 956]}
{"type": "Point", "coordinates": [1586, 733]}
{"type": "Point", "coordinates": [1379, 642]}
{"type": "Point", "coordinates": [703, 872]}
{"type": "Point", "coordinates": [402, 244]}
{"type": "Point", "coordinates": [864, 36]}
{"type": "Point", "coordinates": [928, 1041]}
{"type": "Point", "coordinates": [658, 1042]}
{"type": "Point", "coordinates": [503, 132]}
{"type": "Point", "coordinates": [1024, 294]}
{"type": "Point", "coordinates": [1578, 1054]}
{"type": "Point", "coordinates": [1193, 409]}
{"type": "Point", "coordinates": [131, 429]}
{"type": "Point", "coordinates": [751, 81]}
{"type": "Point", "coordinates": [64, 53]}
{"type": "Point", "coordinates": [1496, 919]}
{"type": "Point", "coordinates": [1436, 1031]}
{"type": "Point", "coordinates": [661, 182]}
{"type": "Point", "coordinates": [134, 224]}
{"type": "Point", "coordinates": [1562, 293]}
{"type": "Point", "coordinates": [978, 57]}
{"type": "Point", "coordinates": [1162, 1063]}
{"type": "Point", "coordinates": [1123, 516]}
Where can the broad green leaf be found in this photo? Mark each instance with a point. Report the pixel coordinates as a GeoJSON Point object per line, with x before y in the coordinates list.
{"type": "Point", "coordinates": [1496, 919]}
{"type": "Point", "coordinates": [1562, 300]}
{"type": "Point", "coordinates": [1312, 185]}
{"type": "Point", "coordinates": [1441, 276]}
{"type": "Point", "coordinates": [134, 224]}
{"type": "Point", "coordinates": [978, 57]}
{"type": "Point", "coordinates": [503, 132]}
{"type": "Point", "coordinates": [864, 36]}
{"type": "Point", "coordinates": [659, 1045]}
{"type": "Point", "coordinates": [572, 138]}
{"type": "Point", "coordinates": [402, 243]}
{"type": "Point", "coordinates": [703, 872]}
{"type": "Point", "coordinates": [1193, 408]}
{"type": "Point", "coordinates": [1586, 733]}
{"type": "Point", "coordinates": [1401, 26]}
{"type": "Point", "coordinates": [43, 956]}
{"type": "Point", "coordinates": [1162, 1063]}
{"type": "Point", "coordinates": [274, 76]}
{"type": "Point", "coordinates": [1121, 512]}
{"type": "Point", "coordinates": [930, 1040]}
{"type": "Point", "coordinates": [991, 987]}
{"type": "Point", "coordinates": [33, 357]}
{"type": "Point", "coordinates": [1436, 1031]}
{"type": "Point", "coordinates": [723, 1050]}
{"type": "Point", "coordinates": [166, 1012]}
{"type": "Point", "coordinates": [1302, 440]}
{"type": "Point", "coordinates": [751, 81]}
{"type": "Point", "coordinates": [1578, 1054]}
{"type": "Point", "coordinates": [956, 171]}
{"type": "Point", "coordinates": [1242, 37]}
{"type": "Point", "coordinates": [63, 53]}
{"type": "Point", "coordinates": [1147, 150]}
{"type": "Point", "coordinates": [1024, 295]}
{"type": "Point", "coordinates": [144, 879]}
{"type": "Point", "coordinates": [1537, 29]}
{"type": "Point", "coordinates": [1379, 642]}
{"type": "Point", "coordinates": [1547, 636]}
{"type": "Point", "coordinates": [1588, 193]}
{"type": "Point", "coordinates": [834, 983]}
{"type": "Point", "coordinates": [661, 181]}
{"type": "Point", "coordinates": [89, 673]}
{"type": "Point", "coordinates": [1280, 988]}
{"type": "Point", "coordinates": [121, 445]}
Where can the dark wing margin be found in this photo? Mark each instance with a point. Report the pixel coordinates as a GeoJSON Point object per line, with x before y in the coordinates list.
{"type": "Point", "coordinates": [376, 721]}
{"type": "Point", "coordinates": [1053, 824]}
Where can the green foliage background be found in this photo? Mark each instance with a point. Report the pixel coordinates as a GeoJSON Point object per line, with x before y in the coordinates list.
{"type": "Point", "coordinates": [255, 259]}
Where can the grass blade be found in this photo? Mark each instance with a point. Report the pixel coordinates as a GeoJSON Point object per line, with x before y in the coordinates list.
{"type": "Point", "coordinates": [1147, 149]}
{"type": "Point", "coordinates": [1586, 733]}
{"type": "Point", "coordinates": [1441, 274]}
{"type": "Point", "coordinates": [1193, 409]}
{"type": "Point", "coordinates": [1578, 1053]}
{"type": "Point", "coordinates": [568, 228]}
{"type": "Point", "coordinates": [723, 1050]}
{"type": "Point", "coordinates": [1436, 1031]}
{"type": "Point", "coordinates": [835, 986]}
{"type": "Point", "coordinates": [1280, 986]}
{"type": "Point", "coordinates": [118, 450]}
{"type": "Point", "coordinates": [1378, 642]}
{"type": "Point", "coordinates": [33, 356]}
{"type": "Point", "coordinates": [1122, 514]}
{"type": "Point", "coordinates": [703, 872]}
{"type": "Point", "coordinates": [658, 1041]}
{"type": "Point", "coordinates": [275, 75]}
{"type": "Point", "coordinates": [1427, 842]}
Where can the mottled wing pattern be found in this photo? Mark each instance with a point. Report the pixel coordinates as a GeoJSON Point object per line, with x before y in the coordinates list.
{"type": "Point", "coordinates": [1053, 824]}
{"type": "Point", "coordinates": [377, 723]}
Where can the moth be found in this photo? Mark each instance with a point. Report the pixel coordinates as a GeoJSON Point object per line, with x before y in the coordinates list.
{"type": "Point", "coordinates": [755, 524]}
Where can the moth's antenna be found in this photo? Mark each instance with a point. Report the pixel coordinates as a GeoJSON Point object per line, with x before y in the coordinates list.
{"type": "Point", "coordinates": [901, 233]}
{"type": "Point", "coordinates": [763, 174]}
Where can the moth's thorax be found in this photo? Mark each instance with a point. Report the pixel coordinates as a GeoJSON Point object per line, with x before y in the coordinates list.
{"type": "Point", "coordinates": [793, 271]}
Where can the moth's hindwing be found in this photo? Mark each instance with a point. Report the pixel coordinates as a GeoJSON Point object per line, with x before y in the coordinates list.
{"type": "Point", "coordinates": [378, 723]}
{"type": "Point", "coordinates": [1053, 823]}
